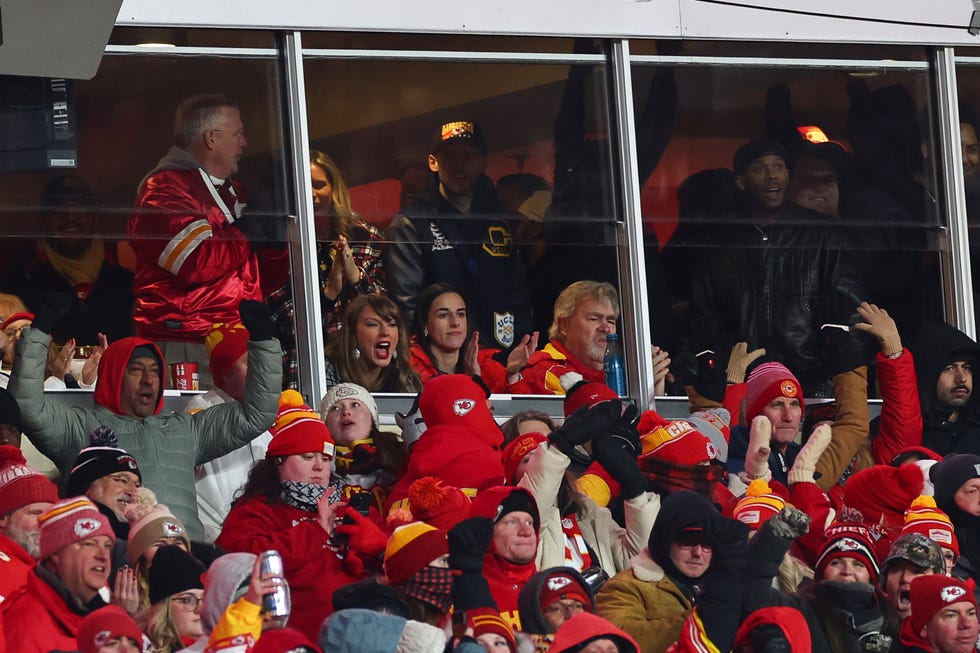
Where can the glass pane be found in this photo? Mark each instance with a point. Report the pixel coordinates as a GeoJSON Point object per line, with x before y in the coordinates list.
{"type": "Point", "coordinates": [434, 42]}
{"type": "Point", "coordinates": [968, 87]}
{"type": "Point", "coordinates": [537, 179]}
{"type": "Point", "coordinates": [765, 243]}
{"type": "Point", "coordinates": [186, 37]}
{"type": "Point", "coordinates": [69, 221]}
{"type": "Point", "coordinates": [789, 50]}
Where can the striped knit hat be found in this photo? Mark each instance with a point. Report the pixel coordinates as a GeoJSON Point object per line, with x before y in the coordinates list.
{"type": "Point", "coordinates": [924, 517]}
{"type": "Point", "coordinates": [487, 621]}
{"type": "Point", "coordinates": [678, 442]}
{"type": "Point", "coordinates": [225, 343]}
{"type": "Point", "coordinates": [298, 429]}
{"type": "Point", "coordinates": [69, 521]}
{"type": "Point", "coordinates": [21, 484]}
{"type": "Point", "coordinates": [410, 548]}
{"type": "Point", "coordinates": [759, 505]}
{"type": "Point", "coordinates": [853, 540]}
{"type": "Point", "coordinates": [767, 382]}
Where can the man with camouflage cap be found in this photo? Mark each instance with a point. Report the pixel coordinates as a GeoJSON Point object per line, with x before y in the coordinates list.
{"type": "Point", "coordinates": [911, 555]}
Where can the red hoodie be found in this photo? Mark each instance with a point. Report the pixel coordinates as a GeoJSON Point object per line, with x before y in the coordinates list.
{"type": "Point", "coordinates": [586, 627]}
{"type": "Point", "coordinates": [112, 367]}
{"type": "Point", "coordinates": [789, 620]}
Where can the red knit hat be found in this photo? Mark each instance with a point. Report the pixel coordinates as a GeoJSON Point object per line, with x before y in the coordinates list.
{"type": "Point", "coordinates": [438, 505]}
{"type": "Point", "coordinates": [104, 624]}
{"type": "Point", "coordinates": [485, 621]}
{"type": "Point", "coordinates": [587, 394]}
{"type": "Point", "coordinates": [562, 585]}
{"type": "Point", "coordinates": [844, 539]}
{"type": "Point", "coordinates": [225, 344]}
{"type": "Point", "coordinates": [759, 505]}
{"type": "Point", "coordinates": [679, 443]}
{"type": "Point", "coordinates": [457, 400]}
{"type": "Point", "coordinates": [515, 452]}
{"type": "Point", "coordinates": [924, 517]}
{"type": "Point", "coordinates": [767, 382]}
{"type": "Point", "coordinates": [69, 521]}
{"type": "Point", "coordinates": [882, 493]}
{"type": "Point", "coordinates": [410, 548]}
{"type": "Point", "coordinates": [23, 315]}
{"type": "Point", "coordinates": [931, 593]}
{"type": "Point", "coordinates": [298, 429]}
{"type": "Point", "coordinates": [21, 484]}
{"type": "Point", "coordinates": [276, 640]}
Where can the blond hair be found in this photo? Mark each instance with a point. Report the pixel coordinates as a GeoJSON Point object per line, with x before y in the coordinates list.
{"type": "Point", "coordinates": [575, 294]}
{"type": "Point", "coordinates": [340, 210]}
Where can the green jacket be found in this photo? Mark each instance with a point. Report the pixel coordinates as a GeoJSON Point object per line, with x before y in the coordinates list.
{"type": "Point", "coordinates": [166, 447]}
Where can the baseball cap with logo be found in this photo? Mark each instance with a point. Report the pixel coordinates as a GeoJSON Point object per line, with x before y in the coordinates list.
{"type": "Point", "coordinates": [458, 131]}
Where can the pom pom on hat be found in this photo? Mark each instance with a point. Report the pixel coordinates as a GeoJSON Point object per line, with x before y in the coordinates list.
{"type": "Point", "coordinates": [759, 505]}
{"type": "Point", "coordinates": [21, 484]}
{"type": "Point", "coordinates": [924, 517]}
{"type": "Point", "coordinates": [931, 593]}
{"type": "Point", "coordinates": [678, 442]}
{"type": "Point", "coordinates": [298, 429]}
{"type": "Point", "coordinates": [437, 504]}
{"type": "Point", "coordinates": [149, 521]}
{"type": "Point", "coordinates": [410, 548]}
{"type": "Point", "coordinates": [101, 458]}
{"type": "Point", "coordinates": [882, 493]}
{"type": "Point", "coordinates": [69, 521]}
{"type": "Point", "coordinates": [515, 452]}
{"type": "Point", "coordinates": [225, 343]}
{"type": "Point", "coordinates": [767, 382]}
{"type": "Point", "coordinates": [104, 624]}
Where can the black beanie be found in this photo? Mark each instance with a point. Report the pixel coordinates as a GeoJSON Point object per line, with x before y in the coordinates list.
{"type": "Point", "coordinates": [753, 150]}
{"type": "Point", "coordinates": [949, 475]}
{"type": "Point", "coordinates": [9, 410]}
{"type": "Point", "coordinates": [101, 458]}
{"type": "Point", "coordinates": [173, 571]}
{"type": "Point", "coordinates": [144, 351]}
{"type": "Point", "coordinates": [678, 511]}
{"type": "Point", "coordinates": [520, 502]}
{"type": "Point", "coordinates": [369, 594]}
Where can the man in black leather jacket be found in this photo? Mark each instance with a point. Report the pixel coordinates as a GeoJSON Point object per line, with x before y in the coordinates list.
{"type": "Point", "coordinates": [775, 274]}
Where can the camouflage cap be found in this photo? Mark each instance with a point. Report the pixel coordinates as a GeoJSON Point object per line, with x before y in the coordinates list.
{"type": "Point", "coordinates": [917, 549]}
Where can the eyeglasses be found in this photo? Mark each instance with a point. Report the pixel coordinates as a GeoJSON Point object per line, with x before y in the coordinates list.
{"type": "Point", "coordinates": [687, 541]}
{"type": "Point", "coordinates": [237, 133]}
{"type": "Point", "coordinates": [123, 479]}
{"type": "Point", "coordinates": [567, 610]}
{"type": "Point", "coordinates": [187, 601]}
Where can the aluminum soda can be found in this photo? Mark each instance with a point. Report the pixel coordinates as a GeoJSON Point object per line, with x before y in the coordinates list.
{"type": "Point", "coordinates": [275, 605]}
{"type": "Point", "coordinates": [183, 376]}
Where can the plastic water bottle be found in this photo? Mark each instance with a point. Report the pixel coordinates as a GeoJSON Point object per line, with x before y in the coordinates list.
{"type": "Point", "coordinates": [613, 364]}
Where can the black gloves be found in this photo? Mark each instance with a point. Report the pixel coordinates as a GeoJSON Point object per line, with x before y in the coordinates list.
{"type": "Point", "coordinates": [625, 433]}
{"type": "Point", "coordinates": [50, 308]}
{"type": "Point", "coordinates": [468, 542]}
{"type": "Point", "coordinates": [728, 538]}
{"type": "Point", "coordinates": [582, 425]}
{"type": "Point", "coordinates": [621, 465]}
{"type": "Point", "coordinates": [257, 318]}
{"type": "Point", "coordinates": [843, 350]}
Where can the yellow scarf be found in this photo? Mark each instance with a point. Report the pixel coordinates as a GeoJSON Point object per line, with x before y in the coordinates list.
{"type": "Point", "coordinates": [77, 270]}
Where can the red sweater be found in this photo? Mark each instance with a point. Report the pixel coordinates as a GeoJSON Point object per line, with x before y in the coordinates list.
{"type": "Point", "coordinates": [314, 568]}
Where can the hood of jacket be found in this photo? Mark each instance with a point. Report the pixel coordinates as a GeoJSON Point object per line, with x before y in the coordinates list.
{"type": "Point", "coordinates": [112, 367]}
{"type": "Point", "coordinates": [457, 400]}
{"type": "Point", "coordinates": [176, 158]}
{"type": "Point", "coordinates": [365, 631]}
{"type": "Point", "coordinates": [221, 582]}
{"type": "Point", "coordinates": [678, 511]}
{"type": "Point", "coordinates": [936, 345]}
{"type": "Point", "coordinates": [586, 627]}
{"type": "Point", "coordinates": [789, 620]}
{"type": "Point", "coordinates": [529, 598]}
